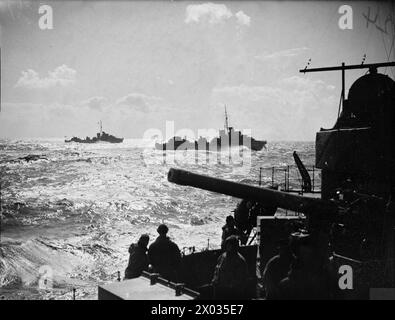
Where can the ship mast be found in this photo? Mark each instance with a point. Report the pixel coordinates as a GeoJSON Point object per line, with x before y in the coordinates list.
{"type": "Point", "coordinates": [226, 120]}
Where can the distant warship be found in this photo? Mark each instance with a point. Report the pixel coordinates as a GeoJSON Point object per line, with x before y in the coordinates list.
{"type": "Point", "coordinates": [228, 137]}
{"type": "Point", "coordinates": [101, 136]}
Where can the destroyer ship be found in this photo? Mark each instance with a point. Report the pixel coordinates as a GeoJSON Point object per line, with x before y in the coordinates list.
{"type": "Point", "coordinates": [228, 138]}
{"type": "Point", "coordinates": [101, 136]}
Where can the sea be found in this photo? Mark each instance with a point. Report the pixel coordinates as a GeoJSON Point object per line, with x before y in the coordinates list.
{"type": "Point", "coordinates": [70, 211]}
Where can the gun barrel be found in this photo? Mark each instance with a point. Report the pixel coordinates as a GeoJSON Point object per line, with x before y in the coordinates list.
{"type": "Point", "coordinates": [239, 190]}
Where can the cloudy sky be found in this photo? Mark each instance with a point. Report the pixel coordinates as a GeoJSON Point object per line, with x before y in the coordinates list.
{"type": "Point", "coordinates": [135, 65]}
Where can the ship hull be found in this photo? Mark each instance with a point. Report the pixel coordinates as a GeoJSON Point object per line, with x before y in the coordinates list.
{"type": "Point", "coordinates": [77, 140]}
{"type": "Point", "coordinates": [256, 145]}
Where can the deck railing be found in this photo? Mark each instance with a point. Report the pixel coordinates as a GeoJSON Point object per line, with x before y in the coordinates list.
{"type": "Point", "coordinates": [287, 178]}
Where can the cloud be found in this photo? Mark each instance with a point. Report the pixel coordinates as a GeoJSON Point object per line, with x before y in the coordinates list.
{"type": "Point", "coordinates": [96, 103]}
{"type": "Point", "coordinates": [301, 83]}
{"type": "Point", "coordinates": [62, 76]}
{"type": "Point", "coordinates": [214, 13]}
{"type": "Point", "coordinates": [138, 101]}
{"type": "Point", "coordinates": [242, 18]}
{"type": "Point", "coordinates": [281, 54]}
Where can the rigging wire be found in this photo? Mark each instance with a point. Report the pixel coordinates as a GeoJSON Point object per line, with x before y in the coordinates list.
{"type": "Point", "coordinates": [340, 103]}
{"type": "Point", "coordinates": [393, 33]}
{"type": "Point", "coordinates": [388, 53]}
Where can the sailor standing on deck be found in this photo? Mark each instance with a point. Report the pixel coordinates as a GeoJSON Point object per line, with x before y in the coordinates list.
{"type": "Point", "coordinates": [231, 274]}
{"type": "Point", "coordinates": [229, 229]}
{"type": "Point", "coordinates": [164, 255]}
{"type": "Point", "coordinates": [138, 259]}
{"type": "Point", "coordinates": [277, 269]}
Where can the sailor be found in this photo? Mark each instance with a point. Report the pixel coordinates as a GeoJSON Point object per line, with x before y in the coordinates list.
{"type": "Point", "coordinates": [276, 269]}
{"type": "Point", "coordinates": [164, 255]}
{"type": "Point", "coordinates": [230, 275]}
{"type": "Point", "coordinates": [138, 259]}
{"type": "Point", "coordinates": [310, 276]}
{"type": "Point", "coordinates": [246, 215]}
{"type": "Point", "coordinates": [242, 219]}
{"type": "Point", "coordinates": [229, 229]}
{"type": "Point", "coordinates": [241, 213]}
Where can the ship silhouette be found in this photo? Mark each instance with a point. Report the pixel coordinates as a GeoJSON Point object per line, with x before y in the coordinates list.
{"type": "Point", "coordinates": [101, 136]}
{"type": "Point", "coordinates": [228, 138]}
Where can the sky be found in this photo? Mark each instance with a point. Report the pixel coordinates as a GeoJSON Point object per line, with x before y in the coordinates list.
{"type": "Point", "coordinates": [137, 64]}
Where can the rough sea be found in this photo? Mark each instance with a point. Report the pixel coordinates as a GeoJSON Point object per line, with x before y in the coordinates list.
{"type": "Point", "coordinates": [71, 210]}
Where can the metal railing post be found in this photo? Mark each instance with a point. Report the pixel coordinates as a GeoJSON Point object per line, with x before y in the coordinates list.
{"type": "Point", "coordinates": [313, 179]}
{"type": "Point", "coordinates": [272, 176]}
{"type": "Point", "coordinates": [285, 179]}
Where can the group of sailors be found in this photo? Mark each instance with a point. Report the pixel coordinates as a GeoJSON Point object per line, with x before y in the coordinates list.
{"type": "Point", "coordinates": [163, 256]}
{"type": "Point", "coordinates": [300, 270]}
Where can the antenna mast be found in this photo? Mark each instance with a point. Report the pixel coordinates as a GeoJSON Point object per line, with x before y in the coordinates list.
{"type": "Point", "coordinates": [226, 120]}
